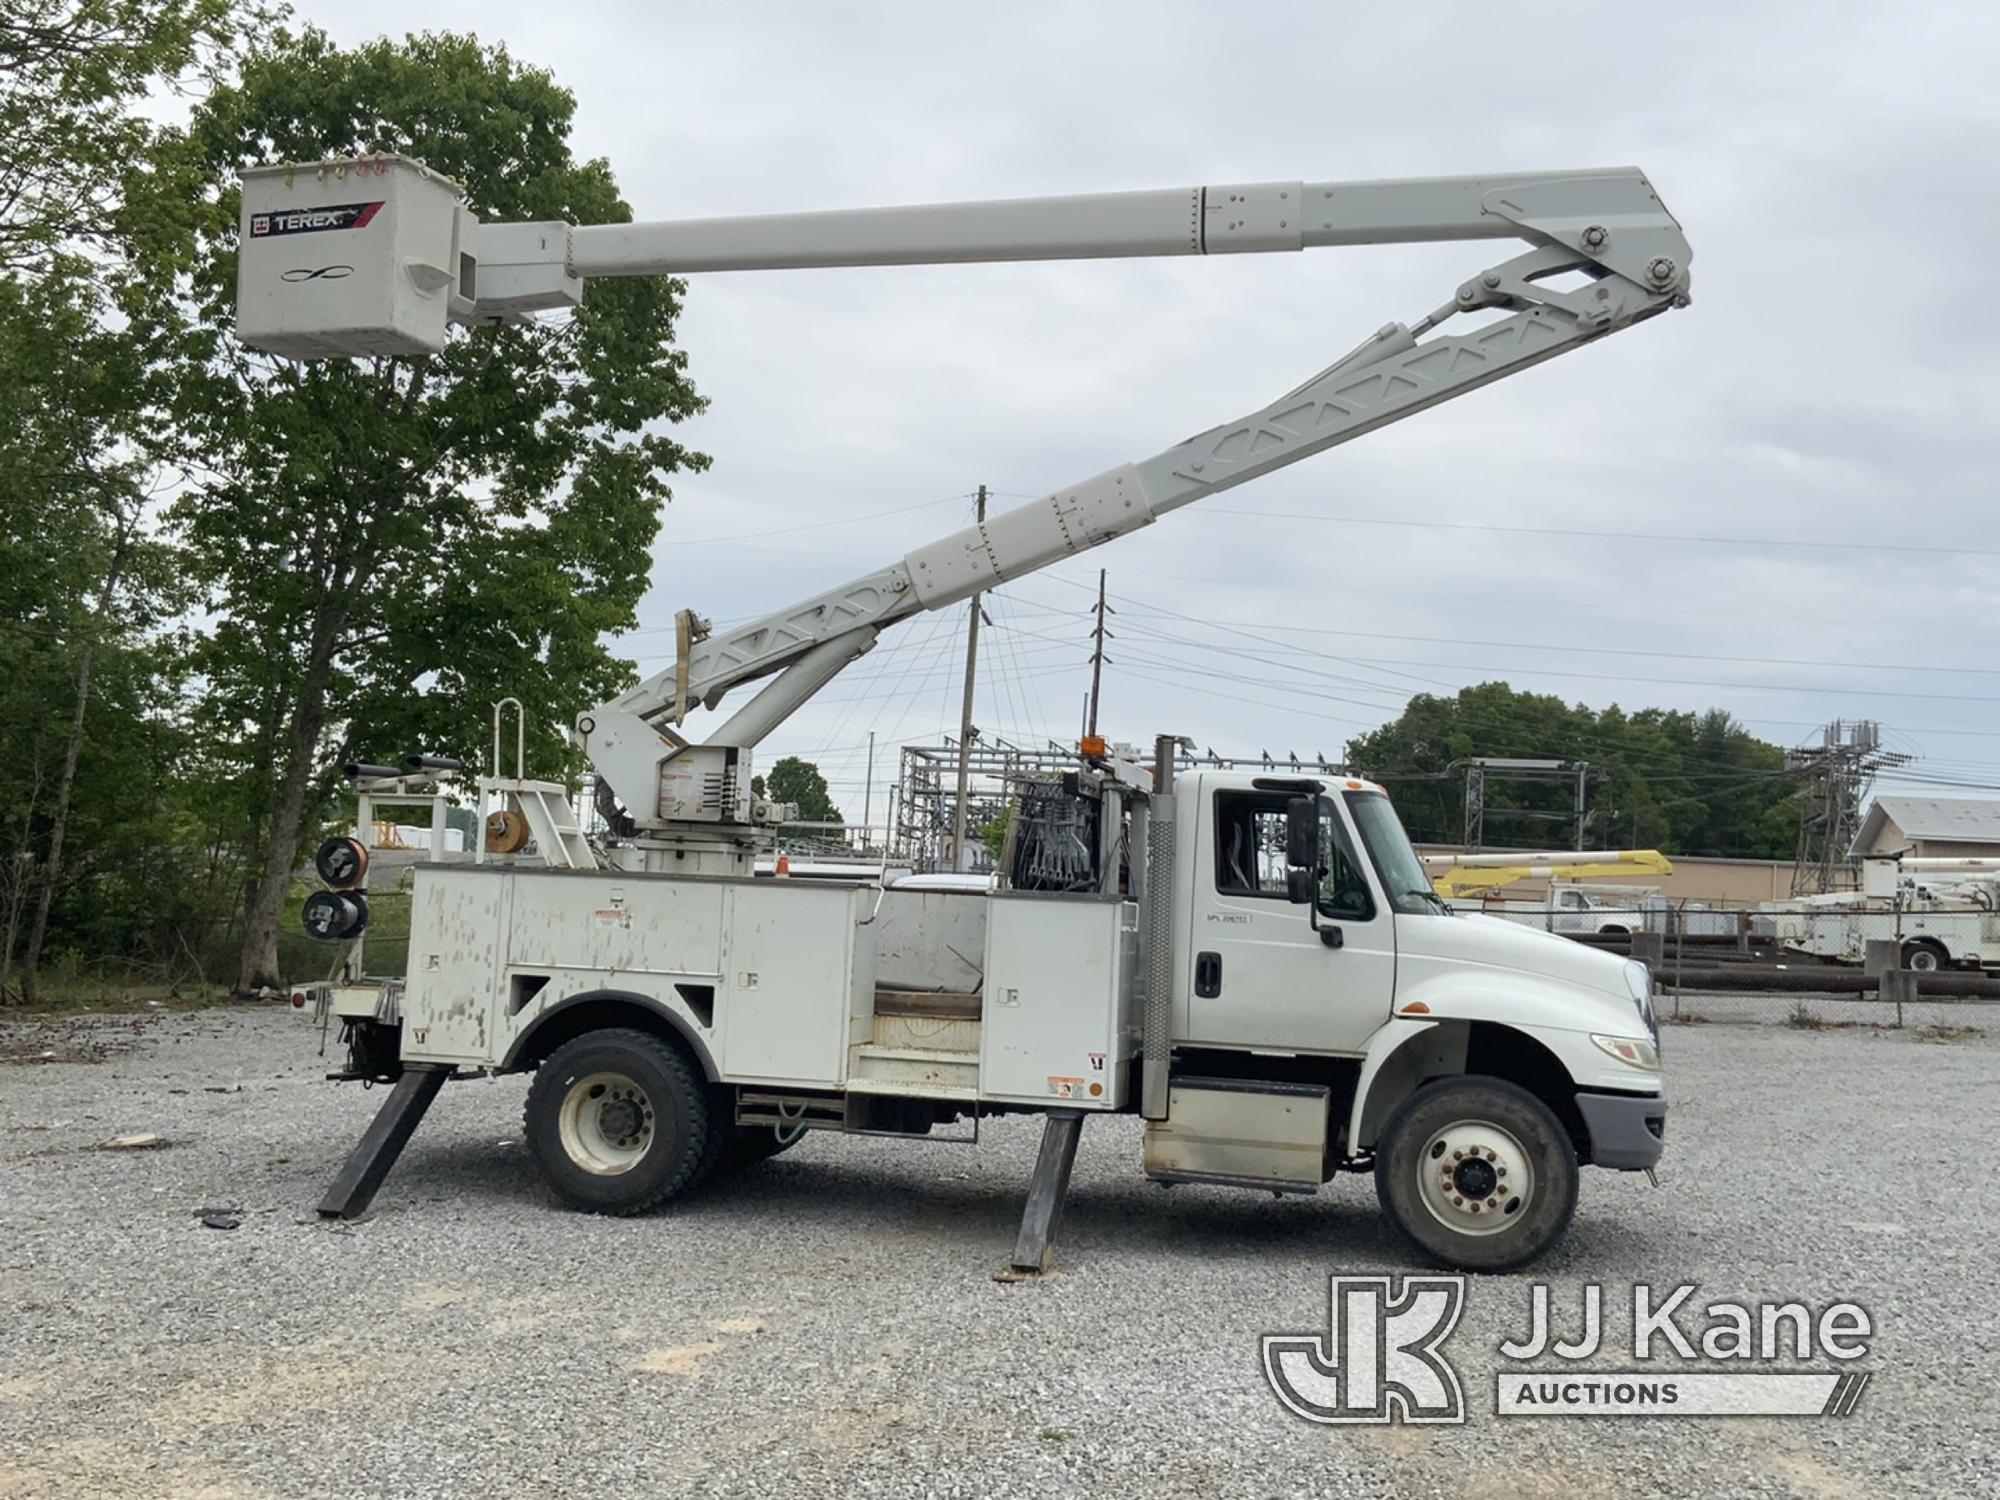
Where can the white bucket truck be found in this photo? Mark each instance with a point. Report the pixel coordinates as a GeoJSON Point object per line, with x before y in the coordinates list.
{"type": "Point", "coordinates": [1256, 964]}
{"type": "Point", "coordinates": [1942, 912]}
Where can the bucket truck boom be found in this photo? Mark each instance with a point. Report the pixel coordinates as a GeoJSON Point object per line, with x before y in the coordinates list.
{"type": "Point", "coordinates": [430, 261]}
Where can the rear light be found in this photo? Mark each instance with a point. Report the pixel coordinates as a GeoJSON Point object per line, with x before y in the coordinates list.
{"type": "Point", "coordinates": [298, 999]}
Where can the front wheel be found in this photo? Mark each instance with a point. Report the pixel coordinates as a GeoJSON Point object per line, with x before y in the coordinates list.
{"type": "Point", "coordinates": [618, 1121]}
{"type": "Point", "coordinates": [1477, 1173]}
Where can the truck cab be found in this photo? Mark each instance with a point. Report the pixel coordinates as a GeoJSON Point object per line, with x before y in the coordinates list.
{"type": "Point", "coordinates": [1379, 993]}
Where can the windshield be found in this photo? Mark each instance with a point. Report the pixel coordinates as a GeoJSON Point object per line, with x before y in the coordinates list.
{"type": "Point", "coordinates": [1395, 861]}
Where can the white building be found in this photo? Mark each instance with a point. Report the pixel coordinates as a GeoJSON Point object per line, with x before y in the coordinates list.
{"type": "Point", "coordinates": [1931, 827]}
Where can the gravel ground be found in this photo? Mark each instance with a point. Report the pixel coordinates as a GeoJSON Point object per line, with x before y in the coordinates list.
{"type": "Point", "coordinates": [827, 1324]}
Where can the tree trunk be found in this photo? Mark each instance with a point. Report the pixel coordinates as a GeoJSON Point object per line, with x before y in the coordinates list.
{"type": "Point", "coordinates": [19, 878]}
{"type": "Point", "coordinates": [257, 968]}
{"type": "Point", "coordinates": [66, 783]}
{"type": "Point", "coordinates": [354, 555]}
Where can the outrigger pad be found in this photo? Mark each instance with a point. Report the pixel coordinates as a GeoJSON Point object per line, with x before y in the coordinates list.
{"type": "Point", "coordinates": [1034, 1251]}
{"type": "Point", "coordinates": [394, 1123]}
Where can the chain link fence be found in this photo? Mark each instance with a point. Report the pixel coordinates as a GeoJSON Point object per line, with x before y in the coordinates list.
{"type": "Point", "coordinates": [1824, 962]}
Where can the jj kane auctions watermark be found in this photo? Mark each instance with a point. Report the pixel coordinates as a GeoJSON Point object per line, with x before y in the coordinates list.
{"type": "Point", "coordinates": [1382, 1357]}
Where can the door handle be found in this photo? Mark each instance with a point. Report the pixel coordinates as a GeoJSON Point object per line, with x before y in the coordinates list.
{"type": "Point", "coordinates": [1207, 975]}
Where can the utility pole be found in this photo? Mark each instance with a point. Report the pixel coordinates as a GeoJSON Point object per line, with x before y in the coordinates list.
{"type": "Point", "coordinates": [868, 797]}
{"type": "Point", "coordinates": [965, 718]}
{"type": "Point", "coordinates": [1096, 659]}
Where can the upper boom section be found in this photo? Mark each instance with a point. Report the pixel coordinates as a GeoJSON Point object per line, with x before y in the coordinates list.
{"type": "Point", "coordinates": [377, 256]}
{"type": "Point", "coordinates": [1217, 220]}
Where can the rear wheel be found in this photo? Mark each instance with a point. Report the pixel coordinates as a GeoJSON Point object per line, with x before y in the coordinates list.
{"type": "Point", "coordinates": [1477, 1173]}
{"type": "Point", "coordinates": [618, 1121]}
{"type": "Point", "coordinates": [1925, 955]}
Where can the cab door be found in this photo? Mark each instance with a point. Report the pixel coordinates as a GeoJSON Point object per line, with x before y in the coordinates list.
{"type": "Point", "coordinates": [1260, 975]}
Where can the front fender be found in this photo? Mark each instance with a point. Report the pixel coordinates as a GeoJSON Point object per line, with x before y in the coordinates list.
{"type": "Point", "coordinates": [1561, 1016]}
{"type": "Point", "coordinates": [1400, 1056]}
{"type": "Point", "coordinates": [1407, 1051]}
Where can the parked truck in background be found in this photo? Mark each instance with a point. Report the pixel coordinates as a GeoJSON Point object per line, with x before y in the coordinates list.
{"type": "Point", "coordinates": [1943, 913]}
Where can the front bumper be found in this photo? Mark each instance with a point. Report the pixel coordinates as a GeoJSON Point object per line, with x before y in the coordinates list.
{"type": "Point", "coordinates": [1628, 1132]}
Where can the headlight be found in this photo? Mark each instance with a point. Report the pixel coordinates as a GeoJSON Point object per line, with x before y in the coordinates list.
{"type": "Point", "coordinates": [1630, 1051]}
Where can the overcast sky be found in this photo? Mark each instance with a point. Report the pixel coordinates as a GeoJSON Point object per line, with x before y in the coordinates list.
{"type": "Point", "coordinates": [1808, 451]}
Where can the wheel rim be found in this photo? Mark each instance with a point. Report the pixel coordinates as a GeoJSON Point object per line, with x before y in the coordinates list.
{"type": "Point", "coordinates": [606, 1123]}
{"type": "Point", "coordinates": [1924, 960]}
{"type": "Point", "coordinates": [1475, 1178]}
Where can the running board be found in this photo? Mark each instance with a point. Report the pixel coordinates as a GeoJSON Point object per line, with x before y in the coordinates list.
{"type": "Point", "coordinates": [913, 1072]}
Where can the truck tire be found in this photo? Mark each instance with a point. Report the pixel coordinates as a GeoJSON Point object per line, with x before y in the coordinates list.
{"type": "Point", "coordinates": [1477, 1173]}
{"type": "Point", "coordinates": [618, 1121]}
{"type": "Point", "coordinates": [1925, 955]}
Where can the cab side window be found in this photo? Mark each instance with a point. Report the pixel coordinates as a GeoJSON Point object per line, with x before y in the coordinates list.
{"type": "Point", "coordinates": [1250, 844]}
{"type": "Point", "coordinates": [1250, 854]}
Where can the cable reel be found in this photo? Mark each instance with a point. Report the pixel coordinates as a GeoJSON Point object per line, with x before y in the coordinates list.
{"type": "Point", "coordinates": [335, 916]}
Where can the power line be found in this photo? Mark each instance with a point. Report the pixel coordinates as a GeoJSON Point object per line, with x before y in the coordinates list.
{"type": "Point", "coordinates": [755, 536]}
{"type": "Point", "coordinates": [1447, 640]}
{"type": "Point", "coordinates": [1614, 536]}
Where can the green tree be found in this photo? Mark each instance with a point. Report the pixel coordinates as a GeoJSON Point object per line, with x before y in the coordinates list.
{"type": "Point", "coordinates": [388, 546]}
{"type": "Point", "coordinates": [1681, 782]}
{"type": "Point", "coordinates": [86, 682]}
{"type": "Point", "coordinates": [70, 71]}
{"type": "Point", "coordinates": [799, 781]}
{"type": "Point", "coordinates": [993, 832]}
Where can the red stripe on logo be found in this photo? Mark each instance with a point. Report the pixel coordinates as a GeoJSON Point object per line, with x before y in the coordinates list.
{"type": "Point", "coordinates": [367, 212]}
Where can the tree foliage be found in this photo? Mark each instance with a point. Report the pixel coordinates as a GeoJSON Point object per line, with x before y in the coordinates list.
{"type": "Point", "coordinates": [88, 673]}
{"type": "Point", "coordinates": [69, 73]}
{"type": "Point", "coordinates": [1681, 782]}
{"type": "Point", "coordinates": [390, 546]}
{"type": "Point", "coordinates": [799, 781]}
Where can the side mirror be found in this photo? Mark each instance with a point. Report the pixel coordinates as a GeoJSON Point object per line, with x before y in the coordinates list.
{"type": "Point", "coordinates": [1302, 853]}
